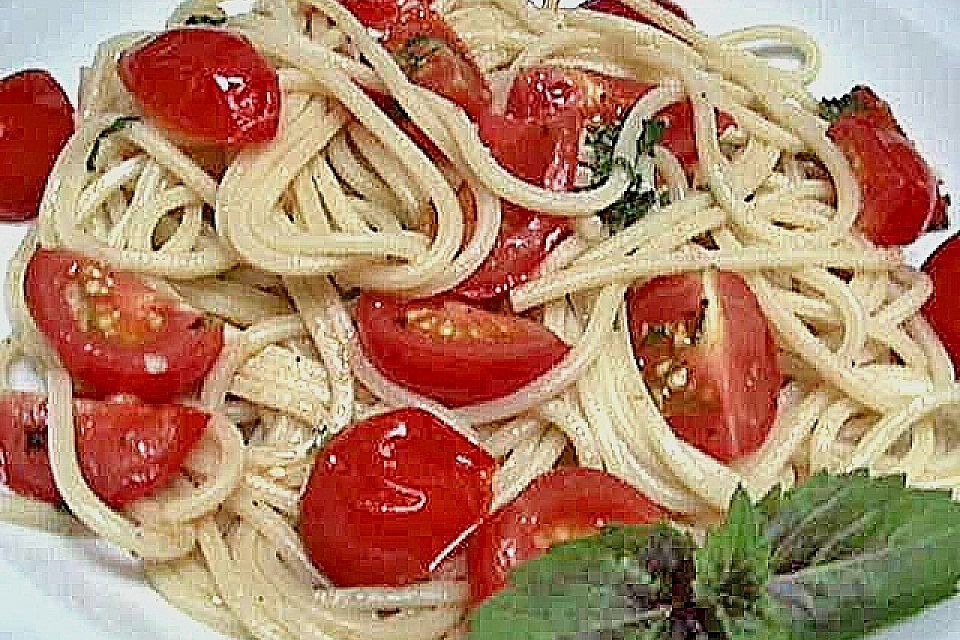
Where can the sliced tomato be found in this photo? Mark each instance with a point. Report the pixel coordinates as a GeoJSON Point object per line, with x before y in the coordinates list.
{"type": "Point", "coordinates": [113, 333]}
{"type": "Point", "coordinates": [525, 239]}
{"type": "Point", "coordinates": [941, 309]}
{"type": "Point", "coordinates": [206, 85]}
{"type": "Point", "coordinates": [126, 450]}
{"type": "Point", "coordinates": [617, 8]}
{"type": "Point", "coordinates": [452, 352]}
{"type": "Point", "coordinates": [562, 505]}
{"type": "Point", "coordinates": [375, 14]}
{"type": "Point", "coordinates": [392, 497]}
{"type": "Point", "coordinates": [601, 99]}
{"type": "Point", "coordinates": [680, 136]}
{"type": "Point", "coordinates": [900, 193]}
{"type": "Point", "coordinates": [709, 359]}
{"type": "Point", "coordinates": [36, 120]}
{"type": "Point", "coordinates": [432, 55]}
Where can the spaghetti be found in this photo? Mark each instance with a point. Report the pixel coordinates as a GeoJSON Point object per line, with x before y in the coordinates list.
{"type": "Point", "coordinates": [343, 198]}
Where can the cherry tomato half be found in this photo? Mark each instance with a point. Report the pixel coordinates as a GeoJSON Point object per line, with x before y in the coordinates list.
{"type": "Point", "coordinates": [207, 85]}
{"type": "Point", "coordinates": [432, 55]}
{"type": "Point", "coordinates": [709, 359]}
{"type": "Point", "coordinates": [452, 352]}
{"type": "Point", "coordinates": [941, 310]}
{"type": "Point", "coordinates": [562, 505]}
{"type": "Point", "coordinates": [36, 120]}
{"type": "Point", "coordinates": [126, 450]}
{"type": "Point", "coordinates": [900, 194]}
{"type": "Point", "coordinates": [113, 333]}
{"type": "Point", "coordinates": [390, 498]}
{"type": "Point", "coordinates": [601, 99]}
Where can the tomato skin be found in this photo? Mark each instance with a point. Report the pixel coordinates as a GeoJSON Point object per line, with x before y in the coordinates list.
{"type": "Point", "coordinates": [723, 399]}
{"type": "Point", "coordinates": [617, 8]}
{"type": "Point", "coordinates": [36, 120]}
{"type": "Point", "coordinates": [680, 136]}
{"type": "Point", "coordinates": [483, 356]}
{"type": "Point", "coordinates": [432, 55]}
{"type": "Point", "coordinates": [943, 267]}
{"type": "Point", "coordinates": [900, 194]}
{"type": "Point", "coordinates": [525, 239]}
{"type": "Point", "coordinates": [152, 347]}
{"type": "Point", "coordinates": [126, 450]}
{"type": "Point", "coordinates": [392, 497]}
{"type": "Point", "coordinates": [561, 505]}
{"type": "Point", "coordinates": [209, 86]}
{"type": "Point", "coordinates": [600, 99]}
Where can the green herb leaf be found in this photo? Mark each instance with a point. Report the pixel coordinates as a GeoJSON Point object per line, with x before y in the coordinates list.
{"type": "Point", "coordinates": [854, 554]}
{"type": "Point", "coordinates": [733, 569]}
{"type": "Point", "coordinates": [116, 125]}
{"type": "Point", "coordinates": [205, 19]}
{"type": "Point", "coordinates": [832, 109]}
{"type": "Point", "coordinates": [618, 585]}
{"type": "Point", "coordinates": [639, 196]}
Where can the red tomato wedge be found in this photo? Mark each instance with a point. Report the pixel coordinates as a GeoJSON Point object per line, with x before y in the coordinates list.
{"type": "Point", "coordinates": [602, 99]}
{"type": "Point", "coordinates": [127, 451]}
{"type": "Point", "coordinates": [709, 359]}
{"type": "Point", "coordinates": [36, 120]}
{"type": "Point", "coordinates": [941, 310]}
{"type": "Point", "coordinates": [113, 333]}
{"type": "Point", "coordinates": [433, 56]}
{"type": "Point", "coordinates": [390, 498]}
{"type": "Point", "coordinates": [599, 98]}
{"type": "Point", "coordinates": [452, 352]}
{"type": "Point", "coordinates": [617, 8]}
{"type": "Point", "coordinates": [900, 193]}
{"type": "Point", "coordinates": [206, 85]}
{"type": "Point", "coordinates": [562, 505]}
{"type": "Point", "coordinates": [525, 239]}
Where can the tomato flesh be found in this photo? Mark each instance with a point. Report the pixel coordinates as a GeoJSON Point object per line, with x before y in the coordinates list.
{"type": "Point", "coordinates": [562, 505]}
{"type": "Point", "coordinates": [709, 359]}
{"type": "Point", "coordinates": [36, 120]}
{"type": "Point", "coordinates": [604, 100]}
{"type": "Point", "coordinates": [900, 194]}
{"type": "Point", "coordinates": [524, 240]}
{"type": "Point", "coordinates": [432, 55]}
{"type": "Point", "coordinates": [617, 8]}
{"type": "Point", "coordinates": [207, 85]}
{"type": "Point", "coordinates": [113, 333]}
{"type": "Point", "coordinates": [390, 498]}
{"type": "Point", "coordinates": [943, 267]}
{"type": "Point", "coordinates": [451, 352]}
{"type": "Point", "coordinates": [126, 450]}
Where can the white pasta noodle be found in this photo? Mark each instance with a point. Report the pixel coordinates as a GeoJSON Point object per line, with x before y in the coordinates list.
{"type": "Point", "coordinates": [277, 243]}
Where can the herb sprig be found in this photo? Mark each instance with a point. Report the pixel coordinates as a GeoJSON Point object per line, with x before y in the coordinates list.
{"type": "Point", "coordinates": [640, 195]}
{"type": "Point", "coordinates": [834, 559]}
{"type": "Point", "coordinates": [117, 125]}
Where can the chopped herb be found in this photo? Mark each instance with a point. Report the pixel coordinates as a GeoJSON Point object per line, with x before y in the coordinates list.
{"type": "Point", "coordinates": [639, 197]}
{"type": "Point", "coordinates": [832, 109]}
{"type": "Point", "coordinates": [417, 51]}
{"type": "Point", "coordinates": [117, 125]}
{"type": "Point", "coordinates": [201, 18]}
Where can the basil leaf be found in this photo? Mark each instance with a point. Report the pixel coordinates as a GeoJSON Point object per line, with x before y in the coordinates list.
{"type": "Point", "coordinates": [854, 554]}
{"type": "Point", "coordinates": [733, 568]}
{"type": "Point", "coordinates": [639, 197]}
{"type": "Point", "coordinates": [618, 585]}
{"type": "Point", "coordinates": [114, 126]}
{"type": "Point", "coordinates": [206, 19]}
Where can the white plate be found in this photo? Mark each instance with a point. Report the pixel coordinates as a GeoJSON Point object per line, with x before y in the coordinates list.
{"type": "Point", "coordinates": [53, 588]}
